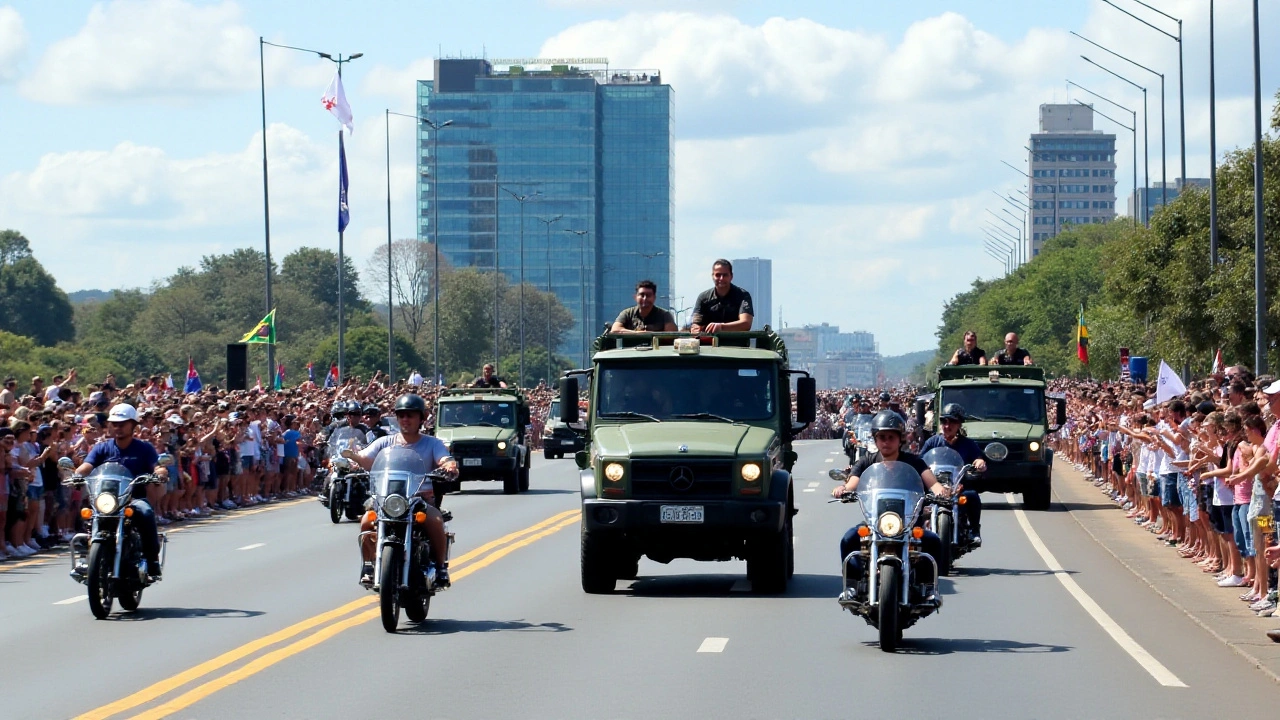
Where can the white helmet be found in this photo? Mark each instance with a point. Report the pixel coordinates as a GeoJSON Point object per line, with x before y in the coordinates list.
{"type": "Point", "coordinates": [122, 412]}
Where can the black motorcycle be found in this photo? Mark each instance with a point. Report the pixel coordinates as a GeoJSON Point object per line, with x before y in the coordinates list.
{"type": "Point", "coordinates": [109, 558]}
{"type": "Point", "coordinates": [348, 484]}
{"type": "Point", "coordinates": [404, 575]}
{"type": "Point", "coordinates": [945, 518]}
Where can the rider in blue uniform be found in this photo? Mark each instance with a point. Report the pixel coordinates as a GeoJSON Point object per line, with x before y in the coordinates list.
{"type": "Point", "coordinates": [952, 436]}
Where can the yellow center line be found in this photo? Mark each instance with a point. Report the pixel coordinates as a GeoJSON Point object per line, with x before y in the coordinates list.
{"type": "Point", "coordinates": [163, 687]}
{"type": "Point", "coordinates": [256, 666]}
{"type": "Point", "coordinates": [28, 563]}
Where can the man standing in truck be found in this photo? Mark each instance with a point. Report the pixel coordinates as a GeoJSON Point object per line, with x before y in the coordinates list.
{"type": "Point", "coordinates": [725, 306]}
{"type": "Point", "coordinates": [1012, 354]}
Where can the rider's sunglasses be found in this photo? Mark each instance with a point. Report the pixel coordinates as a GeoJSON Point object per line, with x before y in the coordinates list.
{"type": "Point", "coordinates": [949, 421]}
{"type": "Point", "coordinates": [882, 437]}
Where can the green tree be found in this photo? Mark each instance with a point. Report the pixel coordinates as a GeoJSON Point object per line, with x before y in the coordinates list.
{"type": "Point", "coordinates": [313, 272]}
{"type": "Point", "coordinates": [31, 303]}
{"type": "Point", "coordinates": [365, 352]}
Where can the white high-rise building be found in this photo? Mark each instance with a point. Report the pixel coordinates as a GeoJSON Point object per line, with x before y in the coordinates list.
{"type": "Point", "coordinates": [1073, 172]}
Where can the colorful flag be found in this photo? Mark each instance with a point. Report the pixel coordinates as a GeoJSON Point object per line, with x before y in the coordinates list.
{"type": "Point", "coordinates": [193, 378]}
{"type": "Point", "coordinates": [335, 101]}
{"type": "Point", "coordinates": [1082, 338]}
{"type": "Point", "coordinates": [264, 331]}
{"type": "Point", "coordinates": [1219, 368]}
{"type": "Point", "coordinates": [344, 213]}
{"type": "Point", "coordinates": [311, 373]}
{"type": "Point", "coordinates": [279, 381]}
{"type": "Point", "coordinates": [331, 380]}
{"type": "Point", "coordinates": [168, 382]}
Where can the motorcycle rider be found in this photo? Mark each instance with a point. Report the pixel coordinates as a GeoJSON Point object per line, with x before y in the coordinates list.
{"type": "Point", "coordinates": [890, 430]}
{"type": "Point", "coordinates": [139, 457]}
{"type": "Point", "coordinates": [373, 416]}
{"type": "Point", "coordinates": [411, 412]}
{"type": "Point", "coordinates": [953, 437]}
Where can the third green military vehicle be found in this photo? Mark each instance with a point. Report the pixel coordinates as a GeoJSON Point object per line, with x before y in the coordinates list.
{"type": "Point", "coordinates": [688, 453]}
{"type": "Point", "coordinates": [484, 429]}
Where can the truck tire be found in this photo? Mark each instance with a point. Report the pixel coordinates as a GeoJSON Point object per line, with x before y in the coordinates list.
{"type": "Point", "coordinates": [523, 475]}
{"type": "Point", "coordinates": [1037, 496]}
{"type": "Point", "coordinates": [629, 567]}
{"type": "Point", "coordinates": [511, 483]}
{"type": "Point", "coordinates": [767, 566]}
{"type": "Point", "coordinates": [598, 566]}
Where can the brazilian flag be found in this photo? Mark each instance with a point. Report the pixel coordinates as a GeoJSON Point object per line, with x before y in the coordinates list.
{"type": "Point", "coordinates": [264, 331]}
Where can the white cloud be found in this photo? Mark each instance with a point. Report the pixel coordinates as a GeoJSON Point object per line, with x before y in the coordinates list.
{"type": "Point", "coordinates": [13, 43]}
{"type": "Point", "coordinates": [166, 50]}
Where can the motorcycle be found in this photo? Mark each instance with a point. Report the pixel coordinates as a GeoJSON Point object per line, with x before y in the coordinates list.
{"type": "Point", "coordinates": [879, 577]}
{"type": "Point", "coordinates": [348, 484]}
{"type": "Point", "coordinates": [404, 575]}
{"type": "Point", "coordinates": [945, 518]}
{"type": "Point", "coordinates": [108, 559]}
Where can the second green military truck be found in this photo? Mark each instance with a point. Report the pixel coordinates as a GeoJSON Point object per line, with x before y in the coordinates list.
{"type": "Point", "coordinates": [1006, 413]}
{"type": "Point", "coordinates": [485, 431]}
{"type": "Point", "coordinates": [688, 453]}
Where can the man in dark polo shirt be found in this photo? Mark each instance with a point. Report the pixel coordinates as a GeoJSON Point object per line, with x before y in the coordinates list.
{"type": "Point", "coordinates": [970, 354]}
{"type": "Point", "coordinates": [1012, 354]}
{"type": "Point", "coordinates": [725, 306]}
{"type": "Point", "coordinates": [645, 316]}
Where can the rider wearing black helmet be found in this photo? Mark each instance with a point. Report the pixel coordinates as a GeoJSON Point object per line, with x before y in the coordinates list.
{"type": "Point", "coordinates": [411, 411]}
{"type": "Point", "coordinates": [372, 418]}
{"type": "Point", "coordinates": [890, 430]}
{"type": "Point", "coordinates": [952, 436]}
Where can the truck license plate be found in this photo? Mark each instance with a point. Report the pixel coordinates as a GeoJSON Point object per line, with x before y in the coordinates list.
{"type": "Point", "coordinates": [471, 462]}
{"type": "Point", "coordinates": [681, 514]}
{"type": "Point", "coordinates": [566, 442]}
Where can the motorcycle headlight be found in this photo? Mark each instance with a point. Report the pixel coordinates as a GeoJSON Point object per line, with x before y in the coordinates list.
{"type": "Point", "coordinates": [996, 451]}
{"type": "Point", "coordinates": [890, 524]}
{"type": "Point", "coordinates": [751, 472]}
{"type": "Point", "coordinates": [395, 506]}
{"type": "Point", "coordinates": [106, 503]}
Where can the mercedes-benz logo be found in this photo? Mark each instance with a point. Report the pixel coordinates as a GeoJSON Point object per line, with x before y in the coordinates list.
{"type": "Point", "coordinates": [681, 478]}
{"type": "Point", "coordinates": [683, 449]}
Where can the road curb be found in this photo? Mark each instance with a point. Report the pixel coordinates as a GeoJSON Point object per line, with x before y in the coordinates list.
{"type": "Point", "coordinates": [1250, 657]}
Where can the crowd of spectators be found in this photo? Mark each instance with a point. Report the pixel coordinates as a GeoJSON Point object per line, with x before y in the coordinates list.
{"type": "Point", "coordinates": [232, 450]}
{"type": "Point", "coordinates": [1198, 471]}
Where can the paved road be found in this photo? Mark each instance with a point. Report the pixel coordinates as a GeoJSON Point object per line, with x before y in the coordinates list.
{"type": "Point", "coordinates": [260, 616]}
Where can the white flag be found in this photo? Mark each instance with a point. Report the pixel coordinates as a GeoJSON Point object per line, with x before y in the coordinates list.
{"type": "Point", "coordinates": [335, 101]}
{"type": "Point", "coordinates": [1169, 385]}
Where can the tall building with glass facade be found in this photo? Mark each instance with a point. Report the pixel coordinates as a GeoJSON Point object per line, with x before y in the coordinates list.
{"type": "Point", "coordinates": [562, 168]}
{"type": "Point", "coordinates": [755, 275]}
{"type": "Point", "coordinates": [1073, 173]}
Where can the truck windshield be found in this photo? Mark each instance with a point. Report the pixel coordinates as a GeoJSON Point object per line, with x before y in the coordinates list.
{"type": "Point", "coordinates": [497, 414]}
{"type": "Point", "coordinates": [1008, 403]}
{"type": "Point", "coordinates": [703, 391]}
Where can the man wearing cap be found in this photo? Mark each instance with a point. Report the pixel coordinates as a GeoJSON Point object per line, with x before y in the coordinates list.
{"type": "Point", "coordinates": [139, 457]}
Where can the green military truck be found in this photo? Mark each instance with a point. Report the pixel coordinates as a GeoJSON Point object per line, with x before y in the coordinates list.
{"type": "Point", "coordinates": [688, 454]}
{"type": "Point", "coordinates": [557, 437]}
{"type": "Point", "coordinates": [485, 431]}
{"type": "Point", "coordinates": [1006, 413]}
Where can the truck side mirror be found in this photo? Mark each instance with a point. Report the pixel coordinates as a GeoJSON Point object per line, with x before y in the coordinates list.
{"type": "Point", "coordinates": [1061, 419]}
{"type": "Point", "coordinates": [920, 406]}
{"type": "Point", "coordinates": [569, 400]}
{"type": "Point", "coordinates": [806, 399]}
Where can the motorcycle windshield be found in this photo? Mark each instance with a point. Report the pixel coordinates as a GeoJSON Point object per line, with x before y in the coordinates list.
{"type": "Point", "coordinates": [344, 438]}
{"type": "Point", "coordinates": [397, 471]}
{"type": "Point", "coordinates": [112, 478]}
{"type": "Point", "coordinates": [890, 486]}
{"type": "Point", "coordinates": [943, 457]}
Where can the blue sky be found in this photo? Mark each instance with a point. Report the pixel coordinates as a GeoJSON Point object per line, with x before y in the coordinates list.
{"type": "Point", "coordinates": [855, 143]}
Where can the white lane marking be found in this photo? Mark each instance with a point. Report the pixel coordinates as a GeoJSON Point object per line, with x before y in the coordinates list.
{"type": "Point", "coordinates": [835, 452]}
{"type": "Point", "coordinates": [713, 645]}
{"type": "Point", "coordinates": [70, 601]}
{"type": "Point", "coordinates": [252, 547]}
{"type": "Point", "coordinates": [741, 585]}
{"type": "Point", "coordinates": [814, 484]}
{"type": "Point", "coordinates": [1159, 672]}
{"type": "Point", "coordinates": [809, 490]}
{"type": "Point", "coordinates": [830, 460]}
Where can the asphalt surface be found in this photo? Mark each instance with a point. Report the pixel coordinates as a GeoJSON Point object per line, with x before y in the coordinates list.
{"type": "Point", "coordinates": [260, 616]}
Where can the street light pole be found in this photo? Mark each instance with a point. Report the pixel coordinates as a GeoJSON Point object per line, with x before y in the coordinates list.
{"type": "Point", "coordinates": [549, 223]}
{"type": "Point", "coordinates": [266, 204]}
{"type": "Point", "coordinates": [1259, 274]}
{"type": "Point", "coordinates": [582, 290]}
{"type": "Point", "coordinates": [435, 235]}
{"type": "Point", "coordinates": [522, 199]}
{"type": "Point", "coordinates": [1146, 151]}
{"type": "Point", "coordinates": [391, 303]}
{"type": "Point", "coordinates": [1213, 154]}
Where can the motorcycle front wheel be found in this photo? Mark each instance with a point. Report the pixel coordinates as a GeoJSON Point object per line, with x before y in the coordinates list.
{"type": "Point", "coordinates": [890, 595]}
{"type": "Point", "coordinates": [388, 588]}
{"type": "Point", "coordinates": [945, 531]}
{"type": "Point", "coordinates": [335, 504]}
{"type": "Point", "coordinates": [99, 581]}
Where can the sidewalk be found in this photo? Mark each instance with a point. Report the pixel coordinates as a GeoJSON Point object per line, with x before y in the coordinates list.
{"type": "Point", "coordinates": [1179, 582]}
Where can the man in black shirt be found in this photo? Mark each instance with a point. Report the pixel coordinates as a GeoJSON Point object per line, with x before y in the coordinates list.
{"type": "Point", "coordinates": [645, 316]}
{"type": "Point", "coordinates": [487, 379]}
{"type": "Point", "coordinates": [970, 354]}
{"type": "Point", "coordinates": [725, 306]}
{"type": "Point", "coordinates": [1012, 354]}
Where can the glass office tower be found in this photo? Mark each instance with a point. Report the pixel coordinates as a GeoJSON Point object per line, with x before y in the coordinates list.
{"type": "Point", "coordinates": [585, 153]}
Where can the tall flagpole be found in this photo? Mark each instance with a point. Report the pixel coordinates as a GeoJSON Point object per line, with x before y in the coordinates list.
{"type": "Point", "coordinates": [266, 203]}
{"type": "Point", "coordinates": [342, 170]}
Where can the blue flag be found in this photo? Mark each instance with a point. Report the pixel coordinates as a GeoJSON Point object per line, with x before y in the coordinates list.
{"type": "Point", "coordinates": [344, 214]}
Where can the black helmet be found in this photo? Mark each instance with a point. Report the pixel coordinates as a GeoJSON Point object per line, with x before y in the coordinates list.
{"type": "Point", "coordinates": [353, 407]}
{"type": "Point", "coordinates": [884, 397]}
{"type": "Point", "coordinates": [411, 402]}
{"type": "Point", "coordinates": [372, 409]}
{"type": "Point", "coordinates": [952, 411]}
{"type": "Point", "coordinates": [339, 409]}
{"type": "Point", "coordinates": [888, 420]}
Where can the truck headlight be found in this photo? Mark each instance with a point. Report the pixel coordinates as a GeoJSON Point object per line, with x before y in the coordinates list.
{"type": "Point", "coordinates": [502, 444]}
{"type": "Point", "coordinates": [751, 472]}
{"type": "Point", "coordinates": [890, 524]}
{"type": "Point", "coordinates": [1034, 446]}
{"type": "Point", "coordinates": [613, 471]}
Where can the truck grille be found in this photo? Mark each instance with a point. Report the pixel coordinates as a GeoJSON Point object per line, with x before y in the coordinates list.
{"type": "Point", "coordinates": [681, 478]}
{"type": "Point", "coordinates": [471, 449]}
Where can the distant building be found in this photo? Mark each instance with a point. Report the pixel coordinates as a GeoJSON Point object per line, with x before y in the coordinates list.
{"type": "Point", "coordinates": [755, 275]}
{"type": "Point", "coordinates": [1148, 200]}
{"type": "Point", "coordinates": [1073, 172]}
{"type": "Point", "coordinates": [835, 359]}
{"type": "Point", "coordinates": [589, 146]}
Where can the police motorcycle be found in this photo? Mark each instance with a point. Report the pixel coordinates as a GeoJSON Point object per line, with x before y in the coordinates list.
{"type": "Point", "coordinates": [348, 484]}
{"type": "Point", "coordinates": [108, 559]}
{"type": "Point", "coordinates": [404, 575]}
{"type": "Point", "coordinates": [944, 517]}
{"type": "Point", "coordinates": [879, 577]}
